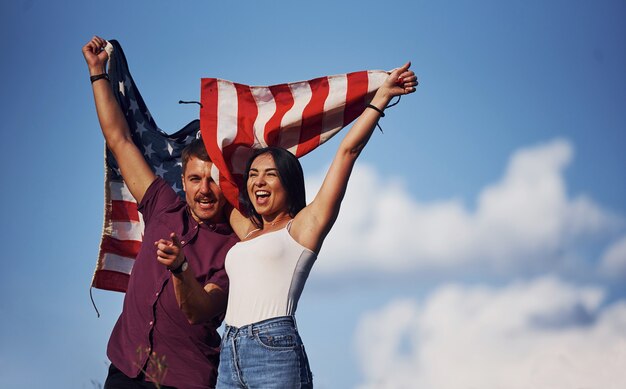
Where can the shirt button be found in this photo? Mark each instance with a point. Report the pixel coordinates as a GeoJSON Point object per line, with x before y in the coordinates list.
{"type": "Point", "coordinates": [182, 242]}
{"type": "Point", "coordinates": [156, 294]}
{"type": "Point", "coordinates": [151, 322]}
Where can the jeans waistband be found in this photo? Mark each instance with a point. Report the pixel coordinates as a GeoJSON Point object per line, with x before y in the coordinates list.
{"type": "Point", "coordinates": [251, 329]}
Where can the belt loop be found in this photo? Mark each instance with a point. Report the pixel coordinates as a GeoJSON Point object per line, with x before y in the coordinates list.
{"type": "Point", "coordinates": [294, 322]}
{"type": "Point", "coordinates": [227, 332]}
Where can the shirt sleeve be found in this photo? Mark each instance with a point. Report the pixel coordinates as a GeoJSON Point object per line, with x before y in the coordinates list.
{"type": "Point", "coordinates": [157, 198]}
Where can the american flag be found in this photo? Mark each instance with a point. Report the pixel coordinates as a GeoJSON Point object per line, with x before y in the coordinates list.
{"type": "Point", "coordinates": [299, 116]}
{"type": "Point", "coordinates": [234, 118]}
{"type": "Point", "coordinates": [122, 230]}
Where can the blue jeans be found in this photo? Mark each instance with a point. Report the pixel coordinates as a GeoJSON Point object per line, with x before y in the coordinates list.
{"type": "Point", "coordinates": [268, 354]}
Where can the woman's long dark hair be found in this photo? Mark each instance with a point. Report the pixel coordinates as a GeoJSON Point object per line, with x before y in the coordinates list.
{"type": "Point", "coordinates": [290, 175]}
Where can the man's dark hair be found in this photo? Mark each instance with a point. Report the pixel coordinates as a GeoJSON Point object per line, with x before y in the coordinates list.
{"type": "Point", "coordinates": [194, 149]}
{"type": "Point", "coordinates": [290, 175]}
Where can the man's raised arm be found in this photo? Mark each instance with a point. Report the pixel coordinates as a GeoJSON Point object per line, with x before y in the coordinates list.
{"type": "Point", "coordinates": [135, 170]}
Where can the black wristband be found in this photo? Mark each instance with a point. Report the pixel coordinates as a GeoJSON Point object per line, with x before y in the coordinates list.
{"type": "Point", "coordinates": [181, 268]}
{"type": "Point", "coordinates": [99, 77]}
{"type": "Point", "coordinates": [380, 111]}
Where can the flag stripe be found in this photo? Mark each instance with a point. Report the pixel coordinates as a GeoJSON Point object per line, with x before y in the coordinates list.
{"type": "Point", "coordinates": [355, 96]}
{"type": "Point", "coordinates": [246, 116]}
{"type": "Point", "coordinates": [119, 192]}
{"type": "Point", "coordinates": [123, 230]}
{"type": "Point", "coordinates": [211, 94]}
{"type": "Point", "coordinates": [375, 79]}
{"type": "Point", "coordinates": [110, 280]}
{"type": "Point", "coordinates": [333, 109]}
{"type": "Point", "coordinates": [313, 117]}
{"type": "Point", "coordinates": [247, 112]}
{"type": "Point", "coordinates": [284, 102]}
{"type": "Point", "coordinates": [227, 111]}
{"type": "Point", "coordinates": [124, 210]}
{"type": "Point", "coordinates": [117, 263]}
{"type": "Point", "coordinates": [267, 107]}
{"type": "Point", "coordinates": [292, 121]}
{"type": "Point", "coordinates": [129, 248]}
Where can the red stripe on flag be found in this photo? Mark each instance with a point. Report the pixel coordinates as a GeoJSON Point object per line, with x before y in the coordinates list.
{"type": "Point", "coordinates": [110, 280]}
{"type": "Point", "coordinates": [208, 113]}
{"type": "Point", "coordinates": [355, 96]}
{"type": "Point", "coordinates": [247, 112]}
{"type": "Point", "coordinates": [124, 211]}
{"type": "Point", "coordinates": [284, 101]}
{"type": "Point", "coordinates": [209, 96]}
{"type": "Point", "coordinates": [208, 117]}
{"type": "Point", "coordinates": [312, 117]}
{"type": "Point", "coordinates": [123, 248]}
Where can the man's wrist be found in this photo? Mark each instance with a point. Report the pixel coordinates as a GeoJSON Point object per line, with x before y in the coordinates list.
{"type": "Point", "coordinates": [97, 77]}
{"type": "Point", "coordinates": [97, 70]}
{"type": "Point", "coordinates": [180, 268]}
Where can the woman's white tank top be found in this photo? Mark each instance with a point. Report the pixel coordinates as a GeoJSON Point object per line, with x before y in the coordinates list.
{"type": "Point", "coordinates": [267, 275]}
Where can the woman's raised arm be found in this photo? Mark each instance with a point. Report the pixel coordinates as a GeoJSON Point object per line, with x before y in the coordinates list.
{"type": "Point", "coordinates": [313, 223]}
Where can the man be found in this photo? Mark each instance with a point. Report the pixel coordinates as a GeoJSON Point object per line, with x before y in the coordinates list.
{"type": "Point", "coordinates": [166, 334]}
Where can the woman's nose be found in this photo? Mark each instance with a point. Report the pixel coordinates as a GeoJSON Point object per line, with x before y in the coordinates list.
{"type": "Point", "coordinates": [259, 180]}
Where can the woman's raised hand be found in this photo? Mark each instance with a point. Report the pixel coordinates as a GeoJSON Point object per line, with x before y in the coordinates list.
{"type": "Point", "coordinates": [401, 81]}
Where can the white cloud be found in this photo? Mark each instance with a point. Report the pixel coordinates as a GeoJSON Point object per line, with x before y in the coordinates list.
{"type": "Point", "coordinates": [614, 259]}
{"type": "Point", "coordinates": [524, 218]}
{"type": "Point", "coordinates": [538, 334]}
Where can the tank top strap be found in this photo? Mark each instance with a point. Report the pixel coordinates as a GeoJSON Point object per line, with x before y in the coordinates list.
{"type": "Point", "coordinates": [250, 233]}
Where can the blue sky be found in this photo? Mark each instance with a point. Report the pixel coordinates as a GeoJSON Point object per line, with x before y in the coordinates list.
{"type": "Point", "coordinates": [493, 204]}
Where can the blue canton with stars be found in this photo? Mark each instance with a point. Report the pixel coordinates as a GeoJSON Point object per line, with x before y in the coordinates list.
{"type": "Point", "coordinates": [162, 151]}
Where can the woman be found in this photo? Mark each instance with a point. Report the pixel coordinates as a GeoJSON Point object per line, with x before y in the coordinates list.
{"type": "Point", "coordinates": [280, 241]}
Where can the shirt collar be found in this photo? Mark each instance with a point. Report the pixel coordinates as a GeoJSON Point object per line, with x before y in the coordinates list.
{"type": "Point", "coordinates": [220, 228]}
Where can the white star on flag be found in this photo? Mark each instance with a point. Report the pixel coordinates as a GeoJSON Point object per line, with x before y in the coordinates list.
{"type": "Point", "coordinates": [159, 171]}
{"type": "Point", "coordinates": [169, 147]}
{"type": "Point", "coordinates": [148, 151]}
{"type": "Point", "coordinates": [133, 106]}
{"type": "Point", "coordinates": [141, 129]}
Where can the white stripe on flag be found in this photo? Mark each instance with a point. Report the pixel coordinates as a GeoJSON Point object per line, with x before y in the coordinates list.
{"type": "Point", "coordinates": [215, 174]}
{"type": "Point", "coordinates": [117, 263]}
{"type": "Point", "coordinates": [127, 230]}
{"type": "Point", "coordinates": [334, 106]}
{"type": "Point", "coordinates": [290, 136]}
{"type": "Point", "coordinates": [375, 78]}
{"type": "Point", "coordinates": [120, 192]}
{"type": "Point", "coordinates": [267, 107]}
{"type": "Point", "coordinates": [227, 111]}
